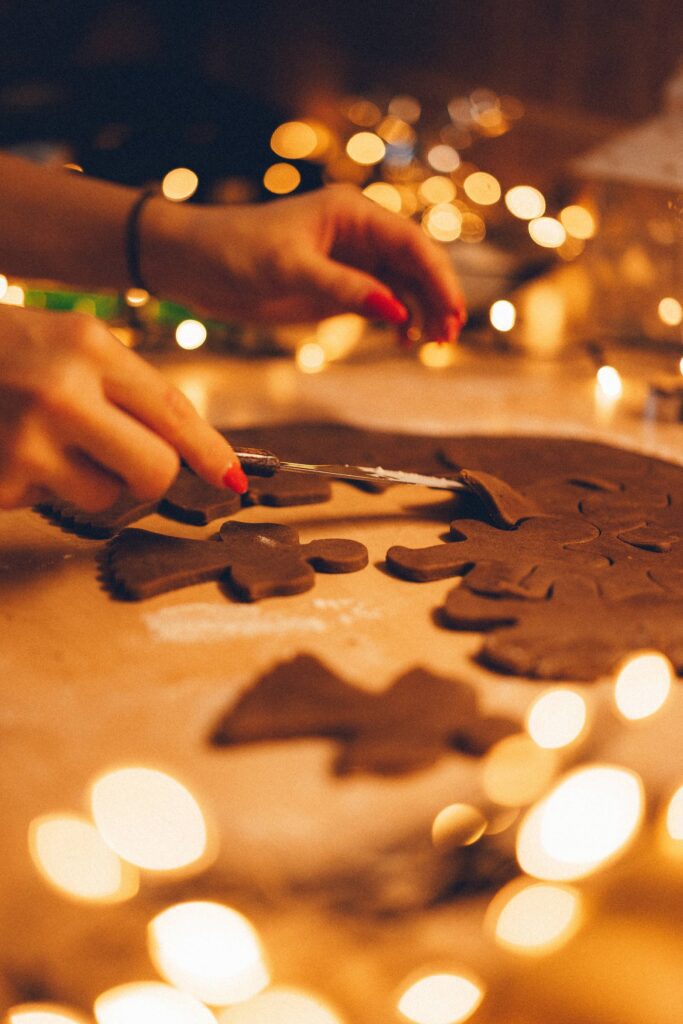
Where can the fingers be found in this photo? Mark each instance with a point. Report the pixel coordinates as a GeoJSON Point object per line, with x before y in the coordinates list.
{"type": "Point", "coordinates": [41, 469]}
{"type": "Point", "coordinates": [352, 290]}
{"type": "Point", "coordinates": [164, 413]}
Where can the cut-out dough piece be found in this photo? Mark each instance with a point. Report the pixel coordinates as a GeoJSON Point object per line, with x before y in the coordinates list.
{"type": "Point", "coordinates": [256, 560]}
{"type": "Point", "coordinates": [409, 726]}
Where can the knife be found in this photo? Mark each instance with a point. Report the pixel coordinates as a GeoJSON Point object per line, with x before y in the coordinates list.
{"type": "Point", "coordinates": [259, 462]}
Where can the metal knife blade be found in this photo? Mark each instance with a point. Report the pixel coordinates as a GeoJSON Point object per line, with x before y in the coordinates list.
{"type": "Point", "coordinates": [264, 463]}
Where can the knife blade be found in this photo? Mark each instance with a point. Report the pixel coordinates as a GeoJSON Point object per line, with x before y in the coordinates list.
{"type": "Point", "coordinates": [260, 462]}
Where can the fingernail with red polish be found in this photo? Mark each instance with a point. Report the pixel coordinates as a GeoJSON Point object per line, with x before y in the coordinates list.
{"type": "Point", "coordinates": [452, 325]}
{"type": "Point", "coordinates": [235, 478]}
{"type": "Point", "coordinates": [385, 307]}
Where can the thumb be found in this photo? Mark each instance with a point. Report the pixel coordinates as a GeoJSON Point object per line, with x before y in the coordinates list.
{"type": "Point", "coordinates": [355, 291]}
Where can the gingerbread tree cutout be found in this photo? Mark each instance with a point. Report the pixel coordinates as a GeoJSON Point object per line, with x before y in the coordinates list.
{"type": "Point", "coordinates": [254, 560]}
{"type": "Point", "coordinates": [411, 725]}
{"type": "Point", "coordinates": [574, 633]}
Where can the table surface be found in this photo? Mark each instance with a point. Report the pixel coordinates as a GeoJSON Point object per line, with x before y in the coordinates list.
{"type": "Point", "coordinates": [87, 682]}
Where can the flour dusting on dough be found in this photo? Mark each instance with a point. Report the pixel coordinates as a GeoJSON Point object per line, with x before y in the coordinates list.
{"type": "Point", "coordinates": [204, 623]}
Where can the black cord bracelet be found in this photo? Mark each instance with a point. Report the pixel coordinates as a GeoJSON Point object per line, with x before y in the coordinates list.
{"type": "Point", "coordinates": [132, 235]}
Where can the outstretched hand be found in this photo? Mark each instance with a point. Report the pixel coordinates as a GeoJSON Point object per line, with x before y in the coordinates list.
{"type": "Point", "coordinates": [301, 258]}
{"type": "Point", "coordinates": [81, 416]}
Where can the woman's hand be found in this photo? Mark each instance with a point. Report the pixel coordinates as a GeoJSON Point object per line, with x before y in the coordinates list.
{"type": "Point", "coordinates": [81, 416]}
{"type": "Point", "coordinates": [300, 259]}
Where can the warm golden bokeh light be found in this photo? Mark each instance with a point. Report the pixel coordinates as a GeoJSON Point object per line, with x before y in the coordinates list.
{"type": "Point", "coordinates": [587, 820]}
{"type": "Point", "coordinates": [670, 311]}
{"type": "Point", "coordinates": [443, 222]}
{"type": "Point", "coordinates": [208, 950]}
{"type": "Point", "coordinates": [366, 148]}
{"type": "Point", "coordinates": [150, 1002]}
{"type": "Point", "coordinates": [149, 818]}
{"type": "Point", "coordinates": [547, 232]}
{"type": "Point", "coordinates": [136, 297]}
{"type": "Point", "coordinates": [179, 184]}
{"type": "Point", "coordinates": [517, 771]}
{"type": "Point", "coordinates": [281, 1005]}
{"type": "Point", "coordinates": [609, 383]}
{"type": "Point", "coordinates": [534, 918]}
{"type": "Point", "coordinates": [294, 140]}
{"type": "Point", "coordinates": [363, 113]}
{"type": "Point", "coordinates": [556, 718]}
{"type": "Point", "coordinates": [72, 857]}
{"type": "Point", "coordinates": [405, 107]}
{"type": "Point", "coordinates": [310, 357]}
{"type": "Point", "coordinates": [674, 815]}
{"type": "Point", "coordinates": [436, 355]}
{"type": "Point", "coordinates": [190, 334]}
{"type": "Point", "coordinates": [14, 295]}
{"type": "Point", "coordinates": [384, 195]}
{"type": "Point", "coordinates": [457, 825]}
{"type": "Point", "coordinates": [43, 1013]}
{"type": "Point", "coordinates": [525, 202]}
{"type": "Point", "coordinates": [441, 999]}
{"type": "Point", "coordinates": [503, 315]}
{"type": "Point", "coordinates": [473, 228]}
{"type": "Point", "coordinates": [443, 158]}
{"type": "Point", "coordinates": [437, 189]}
{"type": "Point", "coordinates": [482, 188]}
{"type": "Point", "coordinates": [281, 179]}
{"type": "Point", "coordinates": [4, 283]}
{"type": "Point", "coordinates": [395, 131]}
{"type": "Point", "coordinates": [339, 335]}
{"type": "Point", "coordinates": [578, 222]}
{"type": "Point", "coordinates": [643, 684]}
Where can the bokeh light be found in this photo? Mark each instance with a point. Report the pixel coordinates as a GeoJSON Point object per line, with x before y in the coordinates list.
{"type": "Point", "coordinates": [443, 158]}
{"type": "Point", "coordinates": [482, 188]}
{"type": "Point", "coordinates": [437, 189]}
{"type": "Point", "coordinates": [339, 335]}
{"type": "Point", "coordinates": [609, 383]}
{"type": "Point", "coordinates": [437, 356]}
{"type": "Point", "coordinates": [547, 232]}
{"type": "Point", "coordinates": [516, 771]}
{"type": "Point", "coordinates": [643, 684]}
{"type": "Point", "coordinates": [208, 950]}
{"type": "Point", "coordinates": [534, 918]}
{"type": "Point", "coordinates": [363, 113]}
{"type": "Point", "coordinates": [150, 1002]}
{"type": "Point", "coordinates": [443, 222]}
{"type": "Point", "coordinates": [4, 283]}
{"type": "Point", "coordinates": [405, 107]}
{"type": "Point", "coordinates": [149, 818]}
{"type": "Point", "coordinates": [445, 998]}
{"type": "Point", "coordinates": [281, 179]}
{"type": "Point", "coordinates": [384, 194]}
{"type": "Point", "coordinates": [72, 857]}
{"type": "Point", "coordinates": [310, 357]}
{"type": "Point", "coordinates": [43, 1013]}
{"type": "Point", "coordinates": [584, 823]}
{"type": "Point", "coordinates": [556, 718]}
{"type": "Point", "coordinates": [457, 825]}
{"type": "Point", "coordinates": [281, 1005]}
{"type": "Point", "coordinates": [473, 227]}
{"type": "Point", "coordinates": [503, 315]}
{"type": "Point", "coordinates": [294, 140]}
{"type": "Point", "coordinates": [14, 295]}
{"type": "Point", "coordinates": [674, 815]}
{"type": "Point", "coordinates": [577, 221]}
{"type": "Point", "coordinates": [670, 311]}
{"type": "Point", "coordinates": [136, 296]}
{"type": "Point", "coordinates": [190, 334]}
{"type": "Point", "coordinates": [179, 184]}
{"type": "Point", "coordinates": [525, 202]}
{"type": "Point", "coordinates": [396, 131]}
{"type": "Point", "coordinates": [366, 148]}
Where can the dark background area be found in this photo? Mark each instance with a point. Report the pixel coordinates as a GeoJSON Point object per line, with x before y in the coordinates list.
{"type": "Point", "coordinates": [138, 86]}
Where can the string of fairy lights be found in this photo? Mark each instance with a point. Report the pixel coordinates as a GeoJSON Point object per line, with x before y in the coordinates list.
{"type": "Point", "coordinates": [571, 818]}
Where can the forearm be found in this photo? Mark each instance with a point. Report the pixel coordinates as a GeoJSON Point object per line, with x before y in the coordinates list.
{"type": "Point", "coordinates": [66, 226]}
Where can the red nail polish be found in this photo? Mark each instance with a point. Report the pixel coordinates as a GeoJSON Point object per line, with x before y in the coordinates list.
{"type": "Point", "coordinates": [235, 478]}
{"type": "Point", "coordinates": [385, 307]}
{"type": "Point", "coordinates": [452, 325]}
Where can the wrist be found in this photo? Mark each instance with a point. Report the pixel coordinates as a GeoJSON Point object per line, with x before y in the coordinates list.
{"type": "Point", "coordinates": [164, 247]}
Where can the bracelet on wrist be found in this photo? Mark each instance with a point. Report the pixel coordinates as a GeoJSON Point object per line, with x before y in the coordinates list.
{"type": "Point", "coordinates": [132, 238]}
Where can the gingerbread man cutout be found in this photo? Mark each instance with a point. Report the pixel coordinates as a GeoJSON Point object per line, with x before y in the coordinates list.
{"type": "Point", "coordinates": [255, 560]}
{"type": "Point", "coordinates": [409, 726]}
